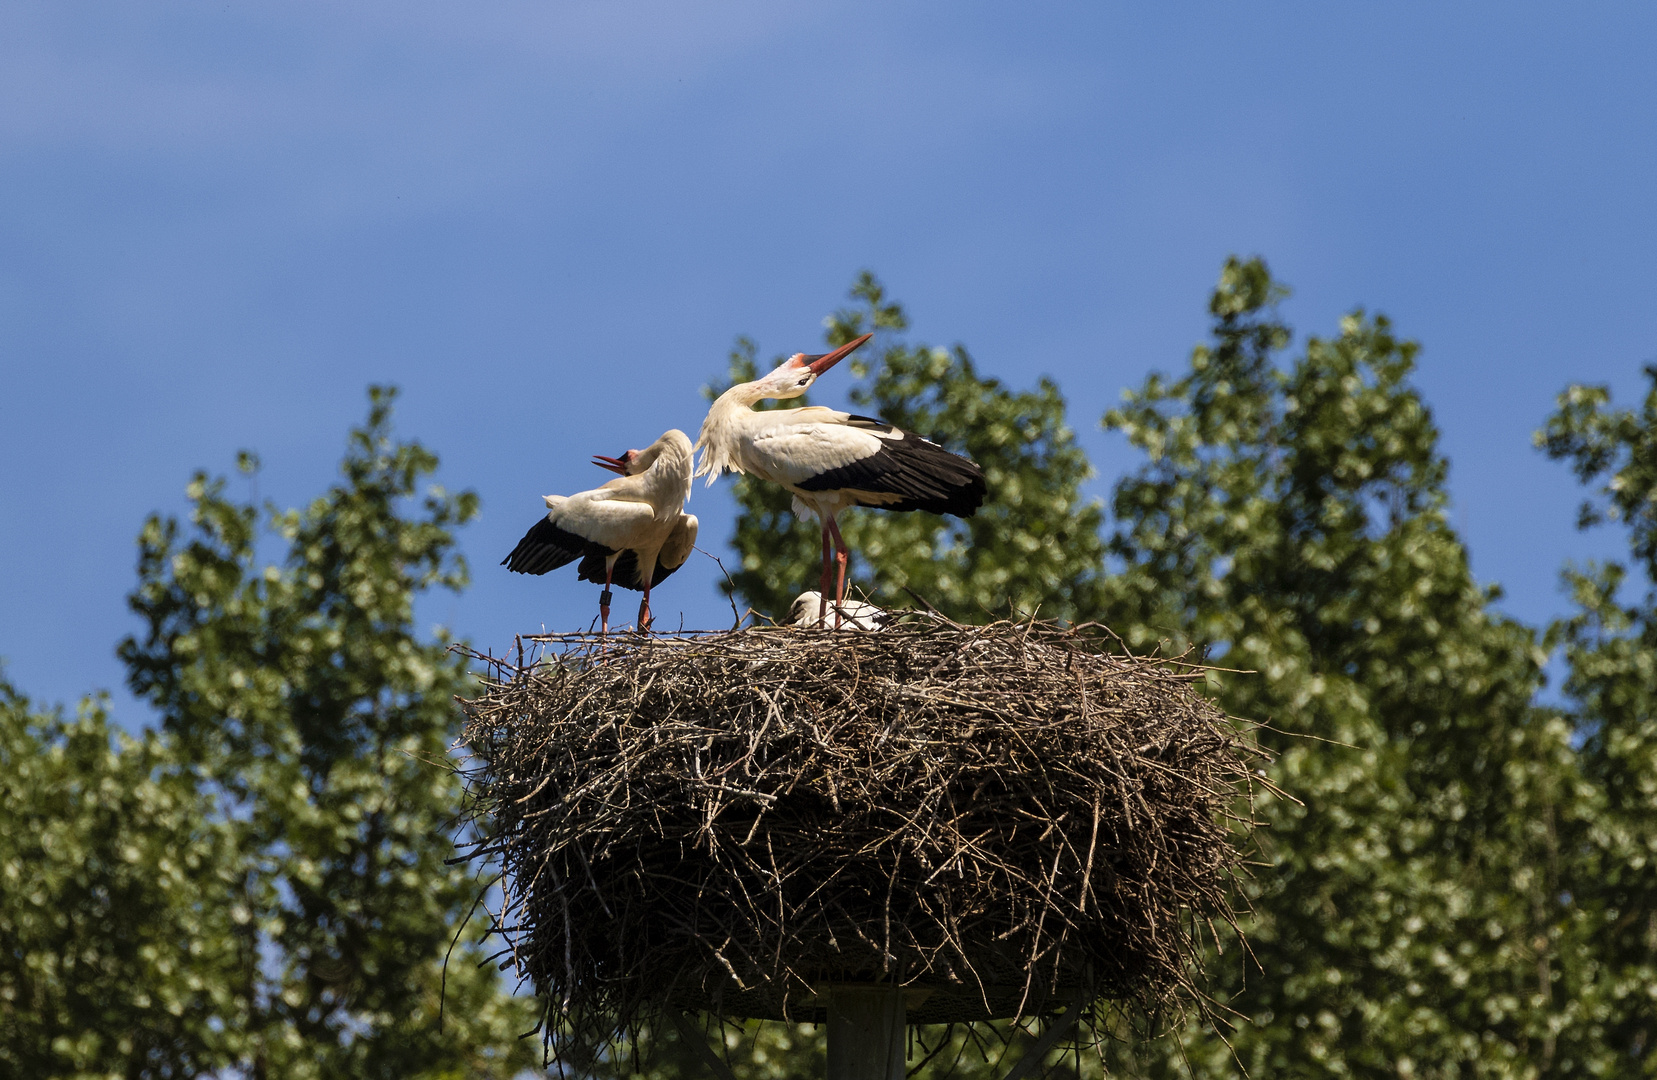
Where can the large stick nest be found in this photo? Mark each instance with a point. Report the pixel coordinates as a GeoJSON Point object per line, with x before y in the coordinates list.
{"type": "Point", "coordinates": [1003, 819]}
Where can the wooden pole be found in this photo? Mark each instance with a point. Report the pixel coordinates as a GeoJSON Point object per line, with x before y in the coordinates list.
{"type": "Point", "coordinates": [1057, 1028]}
{"type": "Point", "coordinates": [697, 1039]}
{"type": "Point", "coordinates": [866, 1035]}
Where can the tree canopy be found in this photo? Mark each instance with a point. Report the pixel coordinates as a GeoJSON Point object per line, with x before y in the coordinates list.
{"type": "Point", "coordinates": [1461, 881]}
{"type": "Point", "coordinates": [119, 953]}
{"type": "Point", "coordinates": [1290, 518]}
{"type": "Point", "coordinates": [1610, 648]}
{"type": "Point", "coordinates": [1420, 908]}
{"type": "Point", "coordinates": [274, 858]}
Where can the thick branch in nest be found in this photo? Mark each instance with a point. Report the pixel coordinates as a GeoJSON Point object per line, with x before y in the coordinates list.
{"type": "Point", "coordinates": [999, 818]}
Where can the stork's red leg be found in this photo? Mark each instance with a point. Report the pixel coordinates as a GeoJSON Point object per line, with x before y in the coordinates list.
{"type": "Point", "coordinates": [604, 599]}
{"type": "Point", "coordinates": [644, 606]}
{"type": "Point", "coordinates": [841, 557]}
{"type": "Point", "coordinates": [823, 581]}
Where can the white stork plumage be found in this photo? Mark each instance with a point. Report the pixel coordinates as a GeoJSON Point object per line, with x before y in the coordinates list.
{"type": "Point", "coordinates": [632, 531]}
{"type": "Point", "coordinates": [832, 460]}
{"type": "Point", "coordinates": [807, 612]}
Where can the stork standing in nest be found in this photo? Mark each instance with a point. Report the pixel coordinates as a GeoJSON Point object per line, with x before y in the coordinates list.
{"type": "Point", "coordinates": [633, 531]}
{"type": "Point", "coordinates": [832, 460]}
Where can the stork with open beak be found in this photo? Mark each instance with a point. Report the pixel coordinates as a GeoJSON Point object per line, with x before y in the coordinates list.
{"type": "Point", "coordinates": [832, 460]}
{"type": "Point", "coordinates": [631, 532]}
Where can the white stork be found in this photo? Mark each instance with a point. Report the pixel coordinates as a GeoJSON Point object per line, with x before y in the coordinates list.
{"type": "Point", "coordinates": [832, 460]}
{"type": "Point", "coordinates": [807, 612]}
{"type": "Point", "coordinates": [632, 531]}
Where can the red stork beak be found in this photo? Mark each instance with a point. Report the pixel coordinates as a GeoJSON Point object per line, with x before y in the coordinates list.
{"type": "Point", "coordinates": [823, 361]}
{"type": "Point", "coordinates": [615, 465]}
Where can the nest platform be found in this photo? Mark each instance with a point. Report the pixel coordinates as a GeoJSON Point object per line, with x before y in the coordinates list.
{"type": "Point", "coordinates": [1004, 820]}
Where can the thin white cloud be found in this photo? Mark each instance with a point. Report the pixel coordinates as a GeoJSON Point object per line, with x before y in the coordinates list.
{"type": "Point", "coordinates": [194, 75]}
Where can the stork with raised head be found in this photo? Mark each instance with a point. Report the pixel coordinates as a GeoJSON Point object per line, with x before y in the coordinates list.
{"type": "Point", "coordinates": [832, 460]}
{"type": "Point", "coordinates": [632, 532]}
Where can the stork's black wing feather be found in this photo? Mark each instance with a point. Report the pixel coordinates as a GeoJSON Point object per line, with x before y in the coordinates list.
{"type": "Point", "coordinates": [626, 574]}
{"type": "Point", "coordinates": [547, 547]}
{"type": "Point", "coordinates": [922, 474]}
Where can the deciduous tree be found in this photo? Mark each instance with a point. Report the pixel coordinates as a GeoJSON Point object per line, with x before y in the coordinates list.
{"type": "Point", "coordinates": [306, 703]}
{"type": "Point", "coordinates": [1412, 916]}
{"type": "Point", "coordinates": [120, 938]}
{"type": "Point", "coordinates": [1610, 647]}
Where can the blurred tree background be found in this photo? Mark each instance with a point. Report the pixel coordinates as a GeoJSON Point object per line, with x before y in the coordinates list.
{"type": "Point", "coordinates": [1464, 885]}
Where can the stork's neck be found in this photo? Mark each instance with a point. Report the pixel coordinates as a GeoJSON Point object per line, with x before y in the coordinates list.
{"type": "Point", "coordinates": [745, 395]}
{"type": "Point", "coordinates": [666, 483]}
{"type": "Point", "coordinates": [722, 430]}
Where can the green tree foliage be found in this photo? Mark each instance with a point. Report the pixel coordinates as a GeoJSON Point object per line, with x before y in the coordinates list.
{"type": "Point", "coordinates": [773, 1050]}
{"type": "Point", "coordinates": [1465, 883]}
{"type": "Point", "coordinates": [302, 697]}
{"type": "Point", "coordinates": [1611, 648]}
{"type": "Point", "coordinates": [118, 950]}
{"type": "Point", "coordinates": [1412, 919]}
{"type": "Point", "coordinates": [752, 1050]}
{"type": "Point", "coordinates": [1415, 915]}
{"type": "Point", "coordinates": [1036, 541]}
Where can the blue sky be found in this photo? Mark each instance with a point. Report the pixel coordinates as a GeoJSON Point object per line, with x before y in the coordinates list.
{"type": "Point", "coordinates": [546, 222]}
